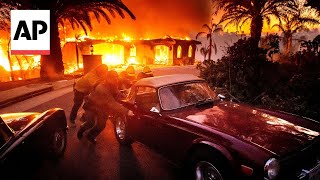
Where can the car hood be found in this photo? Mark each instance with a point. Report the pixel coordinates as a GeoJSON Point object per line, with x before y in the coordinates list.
{"type": "Point", "coordinates": [275, 131]}
{"type": "Point", "coordinates": [17, 121]}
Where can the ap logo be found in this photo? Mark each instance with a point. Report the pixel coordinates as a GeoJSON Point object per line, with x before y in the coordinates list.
{"type": "Point", "coordinates": [30, 32]}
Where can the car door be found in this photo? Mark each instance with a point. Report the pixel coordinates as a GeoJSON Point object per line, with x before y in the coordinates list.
{"type": "Point", "coordinates": [146, 112]}
{"type": "Point", "coordinates": [154, 129]}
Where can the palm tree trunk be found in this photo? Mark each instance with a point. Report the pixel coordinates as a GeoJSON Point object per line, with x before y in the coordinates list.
{"type": "Point", "coordinates": [289, 44]}
{"type": "Point", "coordinates": [20, 66]}
{"type": "Point", "coordinates": [10, 61]}
{"type": "Point", "coordinates": [77, 53]}
{"type": "Point", "coordinates": [52, 65]}
{"type": "Point", "coordinates": [210, 48]}
{"type": "Point", "coordinates": [256, 29]}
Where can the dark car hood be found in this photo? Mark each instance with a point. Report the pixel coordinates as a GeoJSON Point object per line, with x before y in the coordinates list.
{"type": "Point", "coordinates": [17, 121]}
{"type": "Point", "coordinates": [277, 132]}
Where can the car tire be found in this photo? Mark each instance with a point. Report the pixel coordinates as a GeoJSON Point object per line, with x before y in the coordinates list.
{"type": "Point", "coordinates": [57, 143]}
{"type": "Point", "coordinates": [208, 164]}
{"type": "Point", "coordinates": [120, 130]}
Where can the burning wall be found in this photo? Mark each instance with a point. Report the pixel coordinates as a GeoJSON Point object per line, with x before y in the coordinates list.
{"type": "Point", "coordinates": [166, 51]}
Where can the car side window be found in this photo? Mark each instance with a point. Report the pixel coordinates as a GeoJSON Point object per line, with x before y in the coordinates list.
{"type": "Point", "coordinates": [146, 98]}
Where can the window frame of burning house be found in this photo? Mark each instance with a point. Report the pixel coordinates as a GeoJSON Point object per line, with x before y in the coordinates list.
{"type": "Point", "coordinates": [190, 51]}
{"type": "Point", "coordinates": [161, 53]}
{"type": "Point", "coordinates": [179, 52]}
{"type": "Point", "coordinates": [133, 51]}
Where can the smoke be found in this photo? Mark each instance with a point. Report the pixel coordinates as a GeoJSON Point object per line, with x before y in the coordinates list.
{"type": "Point", "coordinates": [157, 18]}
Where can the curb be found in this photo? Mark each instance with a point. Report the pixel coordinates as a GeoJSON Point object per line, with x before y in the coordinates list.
{"type": "Point", "coordinates": [25, 96]}
{"type": "Point", "coordinates": [19, 94]}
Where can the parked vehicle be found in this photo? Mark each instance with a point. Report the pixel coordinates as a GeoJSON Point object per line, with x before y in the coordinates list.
{"type": "Point", "coordinates": [182, 118]}
{"type": "Point", "coordinates": [32, 133]}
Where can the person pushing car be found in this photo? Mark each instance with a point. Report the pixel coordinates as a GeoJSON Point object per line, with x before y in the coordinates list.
{"type": "Point", "coordinates": [102, 102]}
{"type": "Point", "coordinates": [84, 86]}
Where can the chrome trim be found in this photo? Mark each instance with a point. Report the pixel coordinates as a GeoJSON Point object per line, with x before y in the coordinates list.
{"type": "Point", "coordinates": [304, 173]}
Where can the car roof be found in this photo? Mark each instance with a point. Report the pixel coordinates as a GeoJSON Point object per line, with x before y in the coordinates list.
{"type": "Point", "coordinates": [159, 81]}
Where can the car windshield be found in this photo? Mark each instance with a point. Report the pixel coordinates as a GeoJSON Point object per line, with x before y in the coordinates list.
{"type": "Point", "coordinates": [181, 95]}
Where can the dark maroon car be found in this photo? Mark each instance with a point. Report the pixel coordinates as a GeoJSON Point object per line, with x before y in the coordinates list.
{"type": "Point", "coordinates": [180, 117]}
{"type": "Point", "coordinates": [27, 135]}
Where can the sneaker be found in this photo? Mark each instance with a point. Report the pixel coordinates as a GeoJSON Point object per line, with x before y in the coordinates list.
{"type": "Point", "coordinates": [91, 139]}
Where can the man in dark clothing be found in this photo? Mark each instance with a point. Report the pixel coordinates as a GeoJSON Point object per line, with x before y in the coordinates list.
{"type": "Point", "coordinates": [84, 86]}
{"type": "Point", "coordinates": [101, 102]}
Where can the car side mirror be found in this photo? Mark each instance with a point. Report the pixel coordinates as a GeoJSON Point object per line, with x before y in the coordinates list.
{"type": "Point", "coordinates": [155, 110]}
{"type": "Point", "coordinates": [221, 97]}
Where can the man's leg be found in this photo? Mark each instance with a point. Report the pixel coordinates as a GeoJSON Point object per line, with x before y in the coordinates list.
{"type": "Point", "coordinates": [90, 118]}
{"type": "Point", "coordinates": [99, 126]}
{"type": "Point", "coordinates": [78, 99]}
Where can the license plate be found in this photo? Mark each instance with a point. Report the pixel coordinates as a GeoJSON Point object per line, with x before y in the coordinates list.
{"type": "Point", "coordinates": [314, 173]}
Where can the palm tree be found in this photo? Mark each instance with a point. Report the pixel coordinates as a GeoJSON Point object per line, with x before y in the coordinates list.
{"type": "Point", "coordinates": [75, 12]}
{"type": "Point", "coordinates": [256, 12]}
{"type": "Point", "coordinates": [291, 24]}
{"type": "Point", "coordinates": [210, 30]}
{"type": "Point", "coordinates": [204, 52]}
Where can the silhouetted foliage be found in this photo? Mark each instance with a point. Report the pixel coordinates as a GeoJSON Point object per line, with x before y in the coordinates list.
{"type": "Point", "coordinates": [210, 30]}
{"type": "Point", "coordinates": [311, 47]}
{"type": "Point", "coordinates": [249, 76]}
{"type": "Point", "coordinates": [314, 4]}
{"type": "Point", "coordinates": [255, 12]}
{"type": "Point", "coordinates": [291, 24]}
{"type": "Point", "coordinates": [271, 44]}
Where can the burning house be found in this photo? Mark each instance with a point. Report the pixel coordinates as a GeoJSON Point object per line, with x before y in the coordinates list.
{"type": "Point", "coordinates": [111, 44]}
{"type": "Point", "coordinates": [166, 51]}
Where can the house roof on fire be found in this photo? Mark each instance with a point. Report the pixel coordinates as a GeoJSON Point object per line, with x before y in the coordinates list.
{"type": "Point", "coordinates": [152, 42]}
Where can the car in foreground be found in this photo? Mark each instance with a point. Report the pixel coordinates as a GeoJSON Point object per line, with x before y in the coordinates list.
{"type": "Point", "coordinates": [32, 133]}
{"type": "Point", "coordinates": [181, 117]}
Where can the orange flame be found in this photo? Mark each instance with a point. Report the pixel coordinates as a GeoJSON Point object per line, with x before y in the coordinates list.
{"type": "Point", "coordinates": [4, 62]}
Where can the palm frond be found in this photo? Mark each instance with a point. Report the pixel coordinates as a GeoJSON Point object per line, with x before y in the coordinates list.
{"type": "Point", "coordinates": [77, 13]}
{"type": "Point", "coordinates": [201, 34]}
{"type": "Point", "coordinates": [206, 26]}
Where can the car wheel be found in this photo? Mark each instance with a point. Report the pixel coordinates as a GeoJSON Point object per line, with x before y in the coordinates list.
{"type": "Point", "coordinates": [120, 129]}
{"type": "Point", "coordinates": [208, 165]}
{"type": "Point", "coordinates": [57, 143]}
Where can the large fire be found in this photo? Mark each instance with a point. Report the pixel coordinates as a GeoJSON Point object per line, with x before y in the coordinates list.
{"type": "Point", "coordinates": [149, 25]}
{"type": "Point", "coordinates": [4, 61]}
{"type": "Point", "coordinates": [114, 51]}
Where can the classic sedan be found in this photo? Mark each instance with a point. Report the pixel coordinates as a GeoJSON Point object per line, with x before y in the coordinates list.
{"type": "Point", "coordinates": [182, 118]}
{"type": "Point", "coordinates": [37, 133]}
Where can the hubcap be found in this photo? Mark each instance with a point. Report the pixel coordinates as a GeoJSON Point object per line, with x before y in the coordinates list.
{"type": "Point", "coordinates": [58, 141]}
{"type": "Point", "coordinates": [120, 128]}
{"type": "Point", "coordinates": [206, 171]}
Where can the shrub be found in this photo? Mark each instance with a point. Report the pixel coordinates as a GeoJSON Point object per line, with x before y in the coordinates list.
{"type": "Point", "coordinates": [248, 75]}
